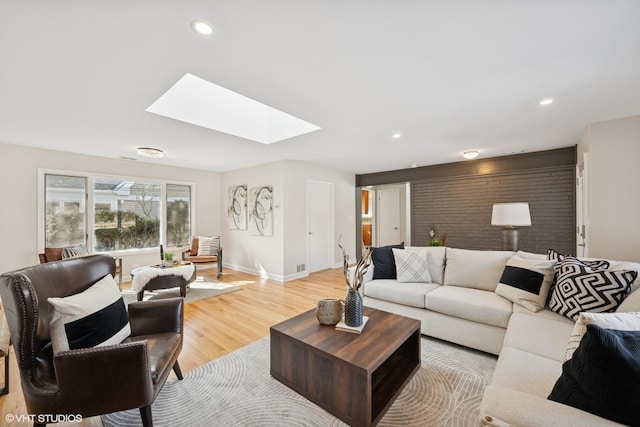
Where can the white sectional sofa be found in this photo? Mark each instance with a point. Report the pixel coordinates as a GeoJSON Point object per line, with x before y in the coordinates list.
{"type": "Point", "coordinates": [464, 303]}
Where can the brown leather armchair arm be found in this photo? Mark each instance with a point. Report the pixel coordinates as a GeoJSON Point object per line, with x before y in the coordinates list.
{"type": "Point", "coordinates": [154, 317]}
{"type": "Point", "coordinates": [120, 371]}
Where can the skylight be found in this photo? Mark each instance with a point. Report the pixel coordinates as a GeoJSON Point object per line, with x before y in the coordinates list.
{"type": "Point", "coordinates": [196, 101]}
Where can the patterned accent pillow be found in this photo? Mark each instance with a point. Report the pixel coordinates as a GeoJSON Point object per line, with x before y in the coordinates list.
{"type": "Point", "coordinates": [412, 266]}
{"type": "Point", "coordinates": [92, 318]}
{"type": "Point", "coordinates": [595, 264]}
{"type": "Point", "coordinates": [208, 246]}
{"type": "Point", "coordinates": [618, 321]}
{"type": "Point", "coordinates": [526, 282]}
{"type": "Point", "coordinates": [75, 251]}
{"type": "Point", "coordinates": [581, 288]}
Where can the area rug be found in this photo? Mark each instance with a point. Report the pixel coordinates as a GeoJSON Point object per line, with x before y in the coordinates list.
{"type": "Point", "coordinates": [201, 288]}
{"type": "Point", "coordinates": [237, 390]}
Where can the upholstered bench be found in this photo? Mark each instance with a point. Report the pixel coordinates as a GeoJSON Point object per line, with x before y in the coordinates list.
{"type": "Point", "coordinates": [153, 278]}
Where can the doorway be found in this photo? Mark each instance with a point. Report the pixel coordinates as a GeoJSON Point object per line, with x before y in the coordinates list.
{"type": "Point", "coordinates": [388, 218]}
{"type": "Point", "coordinates": [320, 224]}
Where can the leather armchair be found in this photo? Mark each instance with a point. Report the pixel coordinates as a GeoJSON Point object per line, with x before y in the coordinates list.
{"type": "Point", "coordinates": [91, 381]}
{"type": "Point", "coordinates": [55, 254]}
{"type": "Point", "coordinates": [191, 255]}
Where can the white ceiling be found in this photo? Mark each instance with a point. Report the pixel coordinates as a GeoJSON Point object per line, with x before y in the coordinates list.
{"type": "Point", "coordinates": [449, 75]}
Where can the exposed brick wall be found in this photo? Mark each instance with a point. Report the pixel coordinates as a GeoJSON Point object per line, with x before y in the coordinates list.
{"type": "Point", "coordinates": [461, 207]}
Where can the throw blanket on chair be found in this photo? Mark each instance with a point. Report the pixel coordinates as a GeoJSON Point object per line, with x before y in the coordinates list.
{"type": "Point", "coordinates": [142, 275]}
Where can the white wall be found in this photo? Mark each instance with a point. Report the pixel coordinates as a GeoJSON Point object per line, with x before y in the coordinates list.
{"type": "Point", "coordinates": [297, 176]}
{"type": "Point", "coordinates": [19, 213]}
{"type": "Point", "coordinates": [276, 256]}
{"type": "Point", "coordinates": [613, 149]}
{"type": "Point", "coordinates": [259, 255]}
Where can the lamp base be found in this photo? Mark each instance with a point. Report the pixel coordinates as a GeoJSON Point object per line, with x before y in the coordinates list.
{"type": "Point", "coordinates": [509, 239]}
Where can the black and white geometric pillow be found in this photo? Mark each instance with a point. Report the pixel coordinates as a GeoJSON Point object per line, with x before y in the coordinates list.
{"type": "Point", "coordinates": [595, 264]}
{"type": "Point", "coordinates": [93, 318]}
{"type": "Point", "coordinates": [581, 288]}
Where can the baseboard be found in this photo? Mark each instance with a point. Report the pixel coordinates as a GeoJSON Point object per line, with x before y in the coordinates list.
{"type": "Point", "coordinates": [254, 272]}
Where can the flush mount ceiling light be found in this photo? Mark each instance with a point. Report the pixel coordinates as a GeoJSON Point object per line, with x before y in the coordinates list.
{"type": "Point", "coordinates": [546, 101]}
{"type": "Point", "coordinates": [396, 135]}
{"type": "Point", "coordinates": [199, 102]}
{"type": "Point", "coordinates": [202, 28]}
{"type": "Point", "coordinates": [471, 154]}
{"type": "Point", "coordinates": [154, 153]}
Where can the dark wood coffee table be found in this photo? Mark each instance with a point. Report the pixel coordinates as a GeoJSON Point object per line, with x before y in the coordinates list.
{"type": "Point", "coordinates": [354, 377]}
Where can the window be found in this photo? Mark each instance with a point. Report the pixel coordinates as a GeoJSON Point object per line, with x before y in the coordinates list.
{"type": "Point", "coordinates": [178, 214]}
{"type": "Point", "coordinates": [124, 213]}
{"type": "Point", "coordinates": [127, 214]}
{"type": "Point", "coordinates": [65, 219]}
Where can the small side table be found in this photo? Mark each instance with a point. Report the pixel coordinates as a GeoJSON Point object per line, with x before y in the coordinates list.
{"type": "Point", "coordinates": [118, 261]}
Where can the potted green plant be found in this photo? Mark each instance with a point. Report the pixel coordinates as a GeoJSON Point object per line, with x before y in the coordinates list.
{"type": "Point", "coordinates": [168, 257]}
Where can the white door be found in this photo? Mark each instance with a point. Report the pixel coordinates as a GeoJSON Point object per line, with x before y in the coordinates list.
{"type": "Point", "coordinates": [388, 218]}
{"type": "Point", "coordinates": [319, 225]}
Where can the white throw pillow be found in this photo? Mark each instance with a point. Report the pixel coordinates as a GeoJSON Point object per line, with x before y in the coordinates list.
{"type": "Point", "coordinates": [435, 259]}
{"type": "Point", "coordinates": [75, 252]}
{"type": "Point", "coordinates": [411, 266]}
{"type": "Point", "coordinates": [208, 246]}
{"type": "Point", "coordinates": [618, 321]}
{"type": "Point", "coordinates": [530, 255]}
{"type": "Point", "coordinates": [92, 318]}
{"type": "Point", "coordinates": [474, 268]}
{"type": "Point", "coordinates": [526, 281]}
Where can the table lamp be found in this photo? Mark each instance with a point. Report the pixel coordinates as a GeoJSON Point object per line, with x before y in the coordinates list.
{"type": "Point", "coordinates": [510, 215]}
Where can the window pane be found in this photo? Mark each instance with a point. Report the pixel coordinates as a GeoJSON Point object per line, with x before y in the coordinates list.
{"type": "Point", "coordinates": [178, 214]}
{"type": "Point", "coordinates": [65, 221]}
{"type": "Point", "coordinates": [127, 214]}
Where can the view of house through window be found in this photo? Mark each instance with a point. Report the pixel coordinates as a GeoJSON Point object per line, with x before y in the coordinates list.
{"type": "Point", "coordinates": [178, 214]}
{"type": "Point", "coordinates": [65, 212]}
{"type": "Point", "coordinates": [127, 213]}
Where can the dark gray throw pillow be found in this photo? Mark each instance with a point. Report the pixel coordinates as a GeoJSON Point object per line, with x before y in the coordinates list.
{"type": "Point", "coordinates": [383, 261]}
{"type": "Point", "coordinates": [603, 376]}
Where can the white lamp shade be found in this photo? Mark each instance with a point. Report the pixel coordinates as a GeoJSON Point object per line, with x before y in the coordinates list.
{"type": "Point", "coordinates": [511, 214]}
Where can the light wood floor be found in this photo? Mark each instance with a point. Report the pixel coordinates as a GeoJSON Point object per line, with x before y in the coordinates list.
{"type": "Point", "coordinates": [220, 325]}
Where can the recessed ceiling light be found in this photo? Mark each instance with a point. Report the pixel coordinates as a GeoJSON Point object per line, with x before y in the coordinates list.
{"type": "Point", "coordinates": [202, 27]}
{"type": "Point", "coordinates": [546, 101]}
{"type": "Point", "coordinates": [155, 153]}
{"type": "Point", "coordinates": [471, 154]}
{"type": "Point", "coordinates": [396, 135]}
{"type": "Point", "coordinates": [413, 165]}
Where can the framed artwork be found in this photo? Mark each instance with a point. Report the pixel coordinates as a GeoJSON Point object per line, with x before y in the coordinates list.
{"type": "Point", "coordinates": [261, 211]}
{"type": "Point", "coordinates": [237, 208]}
